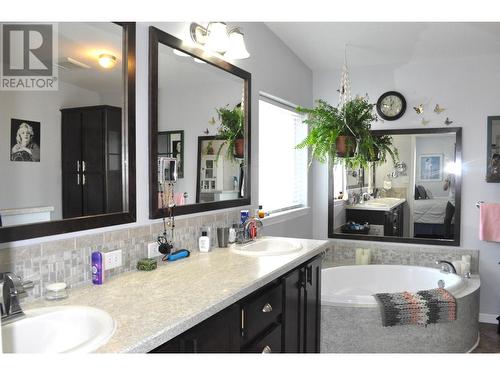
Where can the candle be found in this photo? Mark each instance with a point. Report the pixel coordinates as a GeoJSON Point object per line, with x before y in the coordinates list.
{"type": "Point", "coordinates": [359, 253]}
{"type": "Point", "coordinates": [368, 254]}
{"type": "Point", "coordinates": [458, 266]}
{"type": "Point", "coordinates": [465, 267]}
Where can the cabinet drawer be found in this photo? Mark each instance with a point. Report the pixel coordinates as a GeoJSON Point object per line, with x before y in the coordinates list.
{"type": "Point", "coordinates": [270, 343]}
{"type": "Point", "coordinates": [261, 311]}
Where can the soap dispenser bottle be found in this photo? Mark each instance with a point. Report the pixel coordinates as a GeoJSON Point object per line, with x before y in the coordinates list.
{"type": "Point", "coordinates": [204, 242]}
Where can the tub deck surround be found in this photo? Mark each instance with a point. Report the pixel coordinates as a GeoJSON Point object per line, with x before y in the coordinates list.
{"type": "Point", "coordinates": [151, 308]}
{"type": "Point", "coordinates": [343, 253]}
{"type": "Point", "coordinates": [351, 320]}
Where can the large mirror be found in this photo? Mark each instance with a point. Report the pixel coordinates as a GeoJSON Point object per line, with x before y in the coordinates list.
{"type": "Point", "coordinates": [199, 121]}
{"type": "Point", "coordinates": [493, 150]}
{"type": "Point", "coordinates": [416, 199]}
{"type": "Point", "coordinates": [67, 156]}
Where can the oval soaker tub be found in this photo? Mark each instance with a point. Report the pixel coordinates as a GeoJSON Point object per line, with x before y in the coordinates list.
{"type": "Point", "coordinates": [351, 321]}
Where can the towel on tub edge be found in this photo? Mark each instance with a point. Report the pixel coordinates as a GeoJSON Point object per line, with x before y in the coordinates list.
{"type": "Point", "coordinates": [420, 308]}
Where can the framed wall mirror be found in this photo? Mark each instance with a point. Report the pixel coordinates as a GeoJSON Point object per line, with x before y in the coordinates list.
{"type": "Point", "coordinates": [416, 200]}
{"type": "Point", "coordinates": [493, 150]}
{"type": "Point", "coordinates": [68, 155]}
{"type": "Point", "coordinates": [199, 115]}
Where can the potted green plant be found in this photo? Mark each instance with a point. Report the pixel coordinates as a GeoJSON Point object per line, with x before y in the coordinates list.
{"type": "Point", "coordinates": [345, 132]}
{"type": "Point", "coordinates": [231, 130]}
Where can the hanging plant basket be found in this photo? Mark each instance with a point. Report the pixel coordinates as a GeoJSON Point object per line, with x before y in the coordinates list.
{"type": "Point", "coordinates": [239, 148]}
{"type": "Point", "coordinates": [344, 145]}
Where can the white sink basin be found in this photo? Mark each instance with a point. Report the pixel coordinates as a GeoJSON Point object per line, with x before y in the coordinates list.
{"type": "Point", "coordinates": [267, 246]}
{"type": "Point", "coordinates": [64, 329]}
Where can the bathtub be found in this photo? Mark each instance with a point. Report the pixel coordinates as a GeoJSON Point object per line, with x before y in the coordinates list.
{"type": "Point", "coordinates": [351, 321]}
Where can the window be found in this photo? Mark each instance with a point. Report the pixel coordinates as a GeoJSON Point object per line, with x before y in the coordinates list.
{"type": "Point", "coordinates": [282, 168]}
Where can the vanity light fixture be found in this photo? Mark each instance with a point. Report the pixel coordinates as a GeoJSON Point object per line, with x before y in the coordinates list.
{"type": "Point", "coordinates": [216, 37]}
{"type": "Point", "coordinates": [107, 60]}
{"type": "Point", "coordinates": [199, 61]}
{"type": "Point", "coordinates": [180, 53]}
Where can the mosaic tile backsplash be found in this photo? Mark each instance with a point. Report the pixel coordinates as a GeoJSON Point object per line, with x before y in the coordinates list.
{"type": "Point", "coordinates": [68, 260]}
{"type": "Point", "coordinates": [343, 253]}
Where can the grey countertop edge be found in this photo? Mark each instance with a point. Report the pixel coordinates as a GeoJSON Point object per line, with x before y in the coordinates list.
{"type": "Point", "coordinates": [172, 331]}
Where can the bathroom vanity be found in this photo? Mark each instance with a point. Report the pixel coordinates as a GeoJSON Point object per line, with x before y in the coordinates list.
{"type": "Point", "coordinates": [281, 317]}
{"type": "Point", "coordinates": [222, 301]}
{"type": "Point", "coordinates": [385, 212]}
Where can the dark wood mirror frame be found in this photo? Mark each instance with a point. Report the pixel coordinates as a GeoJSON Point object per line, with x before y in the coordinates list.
{"type": "Point", "coordinates": [458, 187]}
{"type": "Point", "coordinates": [157, 36]}
{"type": "Point", "coordinates": [27, 231]}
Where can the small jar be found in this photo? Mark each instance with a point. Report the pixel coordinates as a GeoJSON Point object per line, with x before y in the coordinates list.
{"type": "Point", "coordinates": [56, 291]}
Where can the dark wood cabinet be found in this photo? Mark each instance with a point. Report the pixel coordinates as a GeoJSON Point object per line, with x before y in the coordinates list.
{"type": "Point", "coordinates": [92, 177]}
{"type": "Point", "coordinates": [391, 220]}
{"type": "Point", "coordinates": [302, 308]}
{"type": "Point", "coordinates": [281, 317]}
{"type": "Point", "coordinates": [218, 334]}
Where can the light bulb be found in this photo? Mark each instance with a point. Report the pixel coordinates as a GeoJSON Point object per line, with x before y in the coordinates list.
{"type": "Point", "coordinates": [180, 53]}
{"type": "Point", "coordinates": [107, 60]}
{"type": "Point", "coordinates": [236, 47]}
{"type": "Point", "coordinates": [218, 39]}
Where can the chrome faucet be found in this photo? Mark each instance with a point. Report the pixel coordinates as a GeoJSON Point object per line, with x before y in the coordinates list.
{"type": "Point", "coordinates": [11, 288]}
{"type": "Point", "coordinates": [447, 266]}
{"type": "Point", "coordinates": [244, 234]}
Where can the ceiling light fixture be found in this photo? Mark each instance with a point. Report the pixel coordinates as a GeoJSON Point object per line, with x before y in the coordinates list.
{"type": "Point", "coordinates": [216, 37]}
{"type": "Point", "coordinates": [107, 60]}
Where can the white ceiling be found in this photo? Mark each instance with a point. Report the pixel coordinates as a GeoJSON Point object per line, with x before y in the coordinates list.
{"type": "Point", "coordinates": [84, 42]}
{"type": "Point", "coordinates": [320, 45]}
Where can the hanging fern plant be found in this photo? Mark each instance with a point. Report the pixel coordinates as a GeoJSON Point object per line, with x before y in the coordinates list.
{"type": "Point", "coordinates": [351, 123]}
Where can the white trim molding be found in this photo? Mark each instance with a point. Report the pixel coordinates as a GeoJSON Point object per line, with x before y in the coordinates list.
{"type": "Point", "coordinates": [488, 318]}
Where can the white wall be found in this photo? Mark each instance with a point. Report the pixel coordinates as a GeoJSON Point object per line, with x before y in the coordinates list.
{"type": "Point", "coordinates": [30, 184]}
{"type": "Point", "coordinates": [469, 89]}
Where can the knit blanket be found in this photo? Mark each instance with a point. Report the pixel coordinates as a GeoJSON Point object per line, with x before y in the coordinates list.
{"type": "Point", "coordinates": [421, 308]}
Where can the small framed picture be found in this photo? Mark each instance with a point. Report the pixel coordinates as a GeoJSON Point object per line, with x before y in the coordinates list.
{"type": "Point", "coordinates": [171, 143]}
{"type": "Point", "coordinates": [431, 167]}
{"type": "Point", "coordinates": [24, 140]}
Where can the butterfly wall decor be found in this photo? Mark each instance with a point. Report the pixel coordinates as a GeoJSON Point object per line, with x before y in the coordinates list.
{"type": "Point", "coordinates": [448, 122]}
{"type": "Point", "coordinates": [206, 131]}
{"type": "Point", "coordinates": [425, 122]}
{"type": "Point", "coordinates": [419, 109]}
{"type": "Point", "coordinates": [438, 109]}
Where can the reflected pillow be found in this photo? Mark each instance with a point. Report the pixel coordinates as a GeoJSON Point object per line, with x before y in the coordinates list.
{"type": "Point", "coordinates": [429, 194]}
{"type": "Point", "coordinates": [420, 192]}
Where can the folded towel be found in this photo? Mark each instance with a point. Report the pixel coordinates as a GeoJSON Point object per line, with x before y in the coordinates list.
{"type": "Point", "coordinates": [489, 222]}
{"type": "Point", "coordinates": [179, 199]}
{"type": "Point", "coordinates": [421, 308]}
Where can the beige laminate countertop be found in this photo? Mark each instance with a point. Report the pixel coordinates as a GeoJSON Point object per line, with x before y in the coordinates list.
{"type": "Point", "coordinates": [151, 308]}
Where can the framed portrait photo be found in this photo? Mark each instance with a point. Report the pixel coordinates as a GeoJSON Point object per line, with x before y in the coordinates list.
{"type": "Point", "coordinates": [24, 140]}
{"type": "Point", "coordinates": [430, 167]}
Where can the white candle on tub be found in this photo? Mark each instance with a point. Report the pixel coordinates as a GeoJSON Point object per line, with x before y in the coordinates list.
{"type": "Point", "coordinates": [368, 254]}
{"type": "Point", "coordinates": [458, 266]}
{"type": "Point", "coordinates": [465, 267]}
{"type": "Point", "coordinates": [359, 253]}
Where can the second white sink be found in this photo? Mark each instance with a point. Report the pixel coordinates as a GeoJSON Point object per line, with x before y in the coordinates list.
{"type": "Point", "coordinates": [267, 246]}
{"type": "Point", "coordinates": [63, 329]}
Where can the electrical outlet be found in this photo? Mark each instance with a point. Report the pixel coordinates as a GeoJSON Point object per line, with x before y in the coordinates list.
{"type": "Point", "coordinates": [112, 259]}
{"type": "Point", "coordinates": [153, 250]}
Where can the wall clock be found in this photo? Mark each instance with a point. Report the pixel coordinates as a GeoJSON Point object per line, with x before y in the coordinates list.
{"type": "Point", "coordinates": [391, 105]}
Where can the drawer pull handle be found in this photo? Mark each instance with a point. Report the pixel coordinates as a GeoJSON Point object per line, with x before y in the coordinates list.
{"type": "Point", "coordinates": [266, 350]}
{"type": "Point", "coordinates": [267, 308]}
